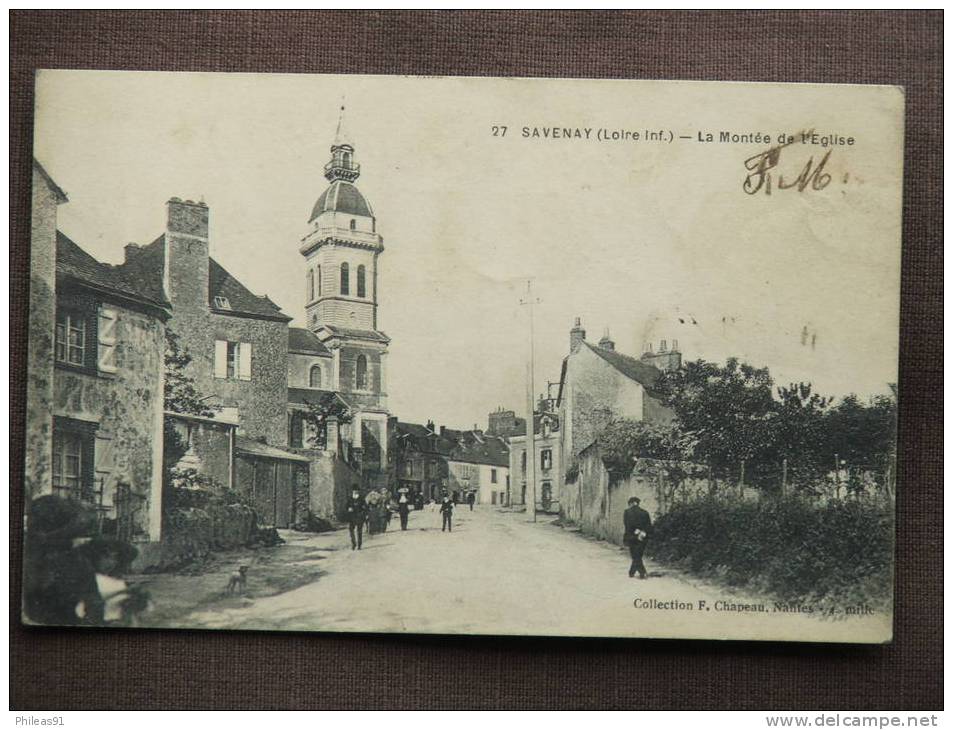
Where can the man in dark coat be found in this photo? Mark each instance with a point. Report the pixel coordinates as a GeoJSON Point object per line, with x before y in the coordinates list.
{"type": "Point", "coordinates": [471, 498]}
{"type": "Point", "coordinates": [638, 526]}
{"type": "Point", "coordinates": [403, 508]}
{"type": "Point", "coordinates": [446, 509]}
{"type": "Point", "coordinates": [355, 512]}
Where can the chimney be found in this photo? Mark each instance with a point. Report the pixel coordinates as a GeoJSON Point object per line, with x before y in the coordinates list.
{"type": "Point", "coordinates": [665, 359]}
{"type": "Point", "coordinates": [606, 342]}
{"type": "Point", "coordinates": [430, 426]}
{"type": "Point", "coordinates": [130, 249]}
{"type": "Point", "coordinates": [577, 336]}
{"type": "Point", "coordinates": [186, 250]}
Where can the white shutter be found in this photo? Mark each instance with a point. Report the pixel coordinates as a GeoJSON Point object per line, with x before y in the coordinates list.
{"type": "Point", "coordinates": [106, 360]}
{"type": "Point", "coordinates": [244, 361]}
{"type": "Point", "coordinates": [104, 461]}
{"type": "Point", "coordinates": [221, 358]}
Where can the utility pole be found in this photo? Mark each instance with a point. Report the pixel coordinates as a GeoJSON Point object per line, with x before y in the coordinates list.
{"type": "Point", "coordinates": [529, 300]}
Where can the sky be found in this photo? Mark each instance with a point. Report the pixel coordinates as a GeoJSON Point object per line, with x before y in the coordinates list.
{"type": "Point", "coordinates": [650, 240]}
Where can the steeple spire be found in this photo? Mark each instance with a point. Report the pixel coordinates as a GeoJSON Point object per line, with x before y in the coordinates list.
{"type": "Point", "coordinates": [340, 135]}
{"type": "Point", "coordinates": [342, 165]}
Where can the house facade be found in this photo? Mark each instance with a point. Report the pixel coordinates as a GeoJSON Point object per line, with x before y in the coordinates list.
{"type": "Point", "coordinates": [598, 383]}
{"type": "Point", "coordinates": [238, 345]}
{"type": "Point", "coordinates": [478, 463]}
{"type": "Point", "coordinates": [96, 384]}
{"type": "Point", "coordinates": [547, 453]}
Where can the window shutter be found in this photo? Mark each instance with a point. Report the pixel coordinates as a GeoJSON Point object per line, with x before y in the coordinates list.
{"type": "Point", "coordinates": [107, 340]}
{"type": "Point", "coordinates": [221, 358]}
{"type": "Point", "coordinates": [244, 361]}
{"type": "Point", "coordinates": [104, 462]}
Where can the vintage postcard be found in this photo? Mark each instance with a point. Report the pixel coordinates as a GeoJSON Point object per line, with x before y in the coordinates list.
{"type": "Point", "coordinates": [463, 356]}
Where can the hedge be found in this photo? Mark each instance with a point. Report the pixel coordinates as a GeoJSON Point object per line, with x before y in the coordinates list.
{"type": "Point", "coordinates": [840, 551]}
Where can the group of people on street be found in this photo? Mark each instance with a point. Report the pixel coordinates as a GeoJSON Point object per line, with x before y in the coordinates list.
{"type": "Point", "coordinates": [374, 511]}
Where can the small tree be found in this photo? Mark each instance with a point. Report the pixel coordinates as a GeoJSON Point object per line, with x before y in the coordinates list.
{"type": "Point", "coordinates": [181, 396]}
{"type": "Point", "coordinates": [727, 409]}
{"type": "Point", "coordinates": [623, 441]}
{"type": "Point", "coordinates": [317, 415]}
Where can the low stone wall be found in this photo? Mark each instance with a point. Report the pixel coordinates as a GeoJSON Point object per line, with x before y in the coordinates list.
{"type": "Point", "coordinates": [596, 504]}
{"type": "Point", "coordinates": [191, 534]}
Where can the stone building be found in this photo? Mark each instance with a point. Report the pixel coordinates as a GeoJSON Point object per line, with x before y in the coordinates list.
{"type": "Point", "coordinates": [238, 342]}
{"type": "Point", "coordinates": [347, 354]}
{"type": "Point", "coordinates": [598, 383]}
{"type": "Point", "coordinates": [95, 389]}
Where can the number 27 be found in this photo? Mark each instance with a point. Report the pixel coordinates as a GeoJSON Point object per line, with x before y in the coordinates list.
{"type": "Point", "coordinates": [499, 131]}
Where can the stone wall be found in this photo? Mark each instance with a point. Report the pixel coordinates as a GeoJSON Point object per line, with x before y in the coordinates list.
{"type": "Point", "coordinates": [127, 408]}
{"type": "Point", "coordinates": [262, 402]}
{"type": "Point", "coordinates": [212, 444]}
{"type": "Point", "coordinates": [39, 372]}
{"type": "Point", "coordinates": [597, 505]}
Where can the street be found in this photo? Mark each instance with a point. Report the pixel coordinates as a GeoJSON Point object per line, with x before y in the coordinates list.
{"type": "Point", "coordinates": [496, 573]}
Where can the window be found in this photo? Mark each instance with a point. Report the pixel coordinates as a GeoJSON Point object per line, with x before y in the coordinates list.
{"type": "Point", "coordinates": [310, 285]}
{"type": "Point", "coordinates": [70, 337]}
{"type": "Point", "coordinates": [361, 287]}
{"type": "Point", "coordinates": [296, 431]}
{"type": "Point", "coordinates": [314, 379]}
{"type": "Point", "coordinates": [493, 476]}
{"type": "Point", "coordinates": [353, 224]}
{"type": "Point", "coordinates": [361, 373]}
{"type": "Point", "coordinates": [319, 279]}
{"type": "Point", "coordinates": [221, 303]}
{"type": "Point", "coordinates": [73, 459]}
{"type": "Point", "coordinates": [232, 360]}
{"type": "Point", "coordinates": [67, 461]}
{"type": "Point", "coordinates": [345, 279]}
{"type": "Point", "coordinates": [546, 459]}
{"type": "Point", "coordinates": [523, 461]}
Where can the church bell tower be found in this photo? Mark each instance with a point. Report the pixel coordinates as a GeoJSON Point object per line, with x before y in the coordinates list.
{"type": "Point", "coordinates": [342, 251]}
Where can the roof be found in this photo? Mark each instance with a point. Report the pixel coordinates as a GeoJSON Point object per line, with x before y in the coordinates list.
{"type": "Point", "coordinates": [311, 395]}
{"type": "Point", "coordinates": [73, 262]}
{"type": "Point", "coordinates": [357, 334]}
{"type": "Point", "coordinates": [245, 445]}
{"type": "Point", "coordinates": [641, 372]}
{"type": "Point", "coordinates": [145, 267]}
{"type": "Point", "coordinates": [478, 448]}
{"type": "Point", "coordinates": [306, 342]}
{"type": "Point", "coordinates": [343, 197]}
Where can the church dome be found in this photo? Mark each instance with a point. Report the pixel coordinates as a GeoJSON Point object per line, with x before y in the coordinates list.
{"type": "Point", "coordinates": [342, 197]}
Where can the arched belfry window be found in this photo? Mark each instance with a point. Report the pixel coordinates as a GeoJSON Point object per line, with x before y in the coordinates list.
{"type": "Point", "coordinates": [345, 279]}
{"type": "Point", "coordinates": [310, 285]}
{"type": "Point", "coordinates": [353, 224]}
{"type": "Point", "coordinates": [361, 285]}
{"type": "Point", "coordinates": [361, 380]}
{"type": "Point", "coordinates": [315, 378]}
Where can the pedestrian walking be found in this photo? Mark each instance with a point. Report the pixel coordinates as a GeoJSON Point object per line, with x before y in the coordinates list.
{"type": "Point", "coordinates": [638, 527]}
{"type": "Point", "coordinates": [446, 511]}
{"type": "Point", "coordinates": [355, 512]}
{"type": "Point", "coordinates": [403, 508]}
{"type": "Point", "coordinates": [471, 498]}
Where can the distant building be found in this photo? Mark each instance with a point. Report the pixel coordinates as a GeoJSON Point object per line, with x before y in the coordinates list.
{"type": "Point", "coordinates": [478, 463]}
{"type": "Point", "coordinates": [548, 463]}
{"type": "Point", "coordinates": [95, 385]}
{"type": "Point", "coordinates": [421, 458]}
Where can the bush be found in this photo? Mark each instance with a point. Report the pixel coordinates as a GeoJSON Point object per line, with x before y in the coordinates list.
{"type": "Point", "coordinates": [839, 552]}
